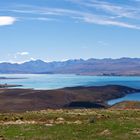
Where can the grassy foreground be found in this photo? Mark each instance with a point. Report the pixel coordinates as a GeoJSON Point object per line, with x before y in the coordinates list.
{"type": "Point", "coordinates": [84, 124]}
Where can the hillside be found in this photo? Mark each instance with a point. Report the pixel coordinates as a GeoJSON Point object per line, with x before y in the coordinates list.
{"type": "Point", "coordinates": [127, 105]}
{"type": "Point", "coordinates": [19, 100]}
{"type": "Point", "coordinates": [84, 67]}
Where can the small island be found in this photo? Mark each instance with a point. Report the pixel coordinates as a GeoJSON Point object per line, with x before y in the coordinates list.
{"type": "Point", "coordinates": [12, 78]}
{"type": "Point", "coordinates": [8, 86]}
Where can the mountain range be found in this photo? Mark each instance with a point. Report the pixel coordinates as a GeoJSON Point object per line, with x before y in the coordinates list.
{"type": "Point", "coordinates": [106, 67]}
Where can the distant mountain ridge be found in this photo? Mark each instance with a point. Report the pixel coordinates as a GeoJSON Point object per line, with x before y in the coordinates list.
{"type": "Point", "coordinates": [106, 67]}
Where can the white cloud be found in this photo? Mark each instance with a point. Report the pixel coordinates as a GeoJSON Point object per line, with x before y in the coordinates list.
{"type": "Point", "coordinates": [108, 13]}
{"type": "Point", "coordinates": [37, 18]}
{"type": "Point", "coordinates": [19, 57]}
{"type": "Point", "coordinates": [126, 11]}
{"type": "Point", "coordinates": [103, 21]}
{"type": "Point", "coordinates": [23, 53]}
{"type": "Point", "coordinates": [7, 20]}
{"type": "Point", "coordinates": [33, 59]}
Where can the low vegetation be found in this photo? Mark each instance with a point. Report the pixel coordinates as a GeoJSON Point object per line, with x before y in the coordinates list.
{"type": "Point", "coordinates": [75, 124]}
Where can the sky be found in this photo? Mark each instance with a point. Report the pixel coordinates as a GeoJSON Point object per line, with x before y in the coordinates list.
{"type": "Point", "coordinates": [58, 30]}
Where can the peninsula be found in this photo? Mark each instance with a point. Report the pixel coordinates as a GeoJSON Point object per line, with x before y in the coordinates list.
{"type": "Point", "coordinates": [20, 100]}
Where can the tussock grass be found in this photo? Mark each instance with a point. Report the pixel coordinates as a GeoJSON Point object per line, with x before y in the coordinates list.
{"type": "Point", "coordinates": [78, 124]}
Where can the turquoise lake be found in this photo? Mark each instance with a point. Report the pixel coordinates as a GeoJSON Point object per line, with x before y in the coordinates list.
{"type": "Point", "coordinates": [55, 81]}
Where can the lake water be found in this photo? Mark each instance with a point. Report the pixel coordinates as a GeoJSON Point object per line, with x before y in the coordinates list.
{"type": "Point", "coordinates": [55, 81]}
{"type": "Point", "coordinates": [129, 97]}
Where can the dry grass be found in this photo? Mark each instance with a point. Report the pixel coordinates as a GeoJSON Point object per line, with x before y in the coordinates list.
{"type": "Point", "coordinates": [78, 124]}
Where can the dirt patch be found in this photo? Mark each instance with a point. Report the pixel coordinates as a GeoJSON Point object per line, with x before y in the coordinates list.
{"type": "Point", "coordinates": [105, 133]}
{"type": "Point", "coordinates": [136, 131]}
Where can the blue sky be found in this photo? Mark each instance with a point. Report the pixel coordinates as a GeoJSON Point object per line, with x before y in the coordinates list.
{"type": "Point", "coordinates": [57, 30]}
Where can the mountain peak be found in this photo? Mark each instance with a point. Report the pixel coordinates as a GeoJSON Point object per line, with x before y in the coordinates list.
{"type": "Point", "coordinates": [38, 61]}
